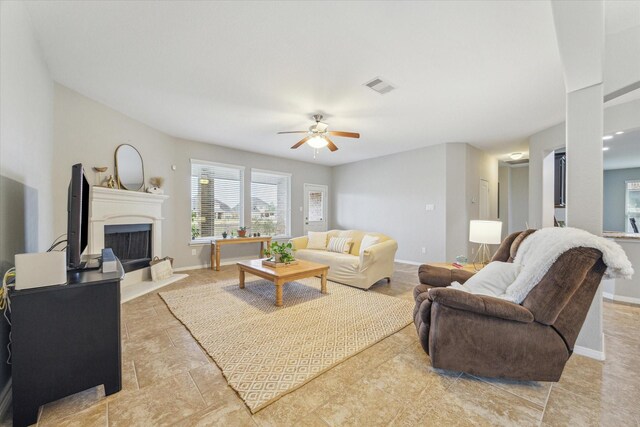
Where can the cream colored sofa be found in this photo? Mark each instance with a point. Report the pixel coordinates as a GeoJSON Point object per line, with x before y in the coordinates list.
{"type": "Point", "coordinates": [353, 269]}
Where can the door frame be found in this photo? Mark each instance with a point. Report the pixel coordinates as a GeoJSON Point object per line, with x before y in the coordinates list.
{"type": "Point", "coordinates": [325, 202]}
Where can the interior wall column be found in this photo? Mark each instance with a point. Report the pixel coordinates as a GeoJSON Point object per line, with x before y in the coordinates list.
{"type": "Point", "coordinates": [580, 35]}
{"type": "Point", "coordinates": [585, 188]}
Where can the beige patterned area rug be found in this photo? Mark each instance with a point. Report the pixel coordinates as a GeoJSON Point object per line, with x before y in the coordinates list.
{"type": "Point", "coordinates": [266, 352]}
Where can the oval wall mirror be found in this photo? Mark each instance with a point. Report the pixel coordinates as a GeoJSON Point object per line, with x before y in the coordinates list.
{"type": "Point", "coordinates": [129, 168]}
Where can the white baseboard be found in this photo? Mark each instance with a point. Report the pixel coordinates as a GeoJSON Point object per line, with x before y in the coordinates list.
{"type": "Point", "coordinates": [5, 399]}
{"type": "Point", "coordinates": [620, 298]}
{"type": "Point", "coordinates": [191, 267]}
{"type": "Point", "coordinates": [589, 352]}
{"type": "Point", "coordinates": [403, 261]}
{"type": "Point", "coordinates": [228, 261]}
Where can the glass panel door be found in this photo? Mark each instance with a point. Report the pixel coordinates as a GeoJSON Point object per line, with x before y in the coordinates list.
{"type": "Point", "coordinates": [315, 208]}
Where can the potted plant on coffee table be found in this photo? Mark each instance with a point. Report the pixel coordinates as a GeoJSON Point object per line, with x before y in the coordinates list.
{"type": "Point", "coordinates": [279, 253]}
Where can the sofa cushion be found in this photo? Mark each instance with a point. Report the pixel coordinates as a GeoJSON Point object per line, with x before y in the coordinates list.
{"type": "Point", "coordinates": [341, 245]}
{"type": "Point", "coordinates": [367, 240]}
{"type": "Point", "coordinates": [357, 236]}
{"type": "Point", "coordinates": [339, 264]}
{"type": "Point", "coordinates": [317, 240]}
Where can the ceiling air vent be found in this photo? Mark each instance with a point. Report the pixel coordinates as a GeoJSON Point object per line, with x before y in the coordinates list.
{"type": "Point", "coordinates": [380, 86]}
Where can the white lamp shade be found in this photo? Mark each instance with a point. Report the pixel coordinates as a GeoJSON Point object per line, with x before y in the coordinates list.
{"type": "Point", "coordinates": [489, 232]}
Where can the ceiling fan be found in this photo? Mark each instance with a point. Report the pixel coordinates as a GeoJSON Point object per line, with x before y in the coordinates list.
{"type": "Point", "coordinates": [317, 135]}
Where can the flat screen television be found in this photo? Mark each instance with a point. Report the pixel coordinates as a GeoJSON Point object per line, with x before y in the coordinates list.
{"type": "Point", "coordinates": [77, 217]}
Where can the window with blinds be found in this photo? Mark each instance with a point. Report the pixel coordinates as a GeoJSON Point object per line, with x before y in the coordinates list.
{"type": "Point", "coordinates": [270, 203]}
{"type": "Point", "coordinates": [216, 199]}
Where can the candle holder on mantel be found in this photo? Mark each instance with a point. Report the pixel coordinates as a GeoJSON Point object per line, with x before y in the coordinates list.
{"type": "Point", "coordinates": [99, 170]}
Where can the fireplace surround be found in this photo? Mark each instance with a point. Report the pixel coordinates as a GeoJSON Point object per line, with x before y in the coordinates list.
{"type": "Point", "coordinates": [130, 214]}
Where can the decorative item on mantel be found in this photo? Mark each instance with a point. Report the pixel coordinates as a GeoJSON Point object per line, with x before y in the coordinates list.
{"type": "Point", "coordinates": [111, 182]}
{"type": "Point", "coordinates": [279, 255]}
{"type": "Point", "coordinates": [156, 185]}
{"type": "Point", "coordinates": [99, 170]}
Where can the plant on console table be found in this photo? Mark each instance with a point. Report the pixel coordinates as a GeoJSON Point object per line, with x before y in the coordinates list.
{"type": "Point", "coordinates": [242, 231]}
{"type": "Point", "coordinates": [280, 253]}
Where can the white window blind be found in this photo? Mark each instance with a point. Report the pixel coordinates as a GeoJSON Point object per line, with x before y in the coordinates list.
{"type": "Point", "coordinates": [270, 203]}
{"type": "Point", "coordinates": [216, 199]}
{"type": "Point", "coordinates": [632, 204]}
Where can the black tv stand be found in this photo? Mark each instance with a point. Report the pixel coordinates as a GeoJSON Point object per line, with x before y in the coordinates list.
{"type": "Point", "coordinates": [65, 339]}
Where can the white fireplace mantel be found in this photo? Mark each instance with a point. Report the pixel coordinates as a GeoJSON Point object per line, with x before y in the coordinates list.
{"type": "Point", "coordinates": [110, 207]}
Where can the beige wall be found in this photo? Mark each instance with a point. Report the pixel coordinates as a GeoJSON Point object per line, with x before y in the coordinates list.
{"type": "Point", "coordinates": [89, 132]}
{"type": "Point", "coordinates": [389, 194]}
{"type": "Point", "coordinates": [519, 199]}
{"type": "Point", "coordinates": [504, 178]}
{"type": "Point", "coordinates": [26, 149]}
{"type": "Point", "coordinates": [479, 165]}
{"type": "Point", "coordinates": [457, 214]}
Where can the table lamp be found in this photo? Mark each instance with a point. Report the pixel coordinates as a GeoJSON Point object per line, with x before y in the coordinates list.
{"type": "Point", "coordinates": [486, 233]}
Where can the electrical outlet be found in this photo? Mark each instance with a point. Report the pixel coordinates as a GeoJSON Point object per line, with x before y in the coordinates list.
{"type": "Point", "coordinates": [194, 252]}
{"type": "Point", "coordinates": [424, 250]}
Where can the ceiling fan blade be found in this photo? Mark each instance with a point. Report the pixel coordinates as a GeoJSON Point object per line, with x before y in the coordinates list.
{"type": "Point", "coordinates": [294, 131]}
{"type": "Point", "coordinates": [330, 144]}
{"type": "Point", "coordinates": [302, 141]}
{"type": "Point", "coordinates": [345, 134]}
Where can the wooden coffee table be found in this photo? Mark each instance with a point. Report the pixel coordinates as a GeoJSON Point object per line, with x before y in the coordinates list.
{"type": "Point", "coordinates": [280, 275]}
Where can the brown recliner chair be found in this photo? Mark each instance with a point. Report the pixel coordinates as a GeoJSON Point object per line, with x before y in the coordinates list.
{"type": "Point", "coordinates": [491, 337]}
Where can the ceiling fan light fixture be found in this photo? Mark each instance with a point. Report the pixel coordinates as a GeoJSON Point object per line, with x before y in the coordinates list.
{"type": "Point", "coordinates": [317, 142]}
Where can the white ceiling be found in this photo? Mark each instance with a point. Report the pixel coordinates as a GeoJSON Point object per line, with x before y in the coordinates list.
{"type": "Point", "coordinates": [624, 150]}
{"type": "Point", "coordinates": [235, 73]}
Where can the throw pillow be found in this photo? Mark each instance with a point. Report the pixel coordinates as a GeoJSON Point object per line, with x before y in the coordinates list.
{"type": "Point", "coordinates": [317, 240]}
{"type": "Point", "coordinates": [493, 280]}
{"type": "Point", "coordinates": [367, 241]}
{"type": "Point", "coordinates": [341, 245]}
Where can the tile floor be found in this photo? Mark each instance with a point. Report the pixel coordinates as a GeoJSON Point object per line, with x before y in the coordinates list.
{"type": "Point", "coordinates": [169, 380]}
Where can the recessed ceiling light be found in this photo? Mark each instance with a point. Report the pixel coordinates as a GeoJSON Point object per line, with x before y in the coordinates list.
{"type": "Point", "coordinates": [619, 132]}
{"type": "Point", "coordinates": [606, 137]}
{"type": "Point", "coordinates": [515, 156]}
{"type": "Point", "coordinates": [605, 148]}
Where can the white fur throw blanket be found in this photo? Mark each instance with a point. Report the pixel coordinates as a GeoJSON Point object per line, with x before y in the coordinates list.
{"type": "Point", "coordinates": [541, 249]}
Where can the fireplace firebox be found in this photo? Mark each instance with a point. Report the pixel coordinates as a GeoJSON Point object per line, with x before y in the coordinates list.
{"type": "Point", "coordinates": [131, 243]}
